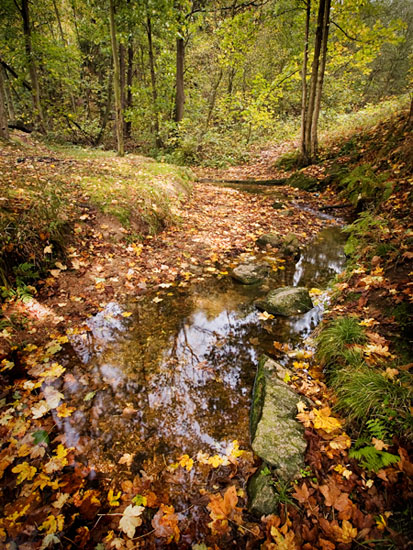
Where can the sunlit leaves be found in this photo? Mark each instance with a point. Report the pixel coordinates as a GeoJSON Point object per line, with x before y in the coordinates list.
{"type": "Point", "coordinates": [24, 471]}
{"type": "Point", "coordinates": [131, 519]}
{"type": "Point", "coordinates": [52, 524]}
{"type": "Point", "coordinates": [321, 419]}
{"type": "Point", "coordinates": [113, 499]}
{"type": "Point", "coordinates": [165, 524]}
{"type": "Point", "coordinates": [223, 510]}
{"type": "Point", "coordinates": [186, 462]}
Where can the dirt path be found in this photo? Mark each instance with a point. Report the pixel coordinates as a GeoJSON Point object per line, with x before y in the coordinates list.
{"type": "Point", "coordinates": [216, 225]}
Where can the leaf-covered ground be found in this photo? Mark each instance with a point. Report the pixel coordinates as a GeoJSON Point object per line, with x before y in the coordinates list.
{"type": "Point", "coordinates": [49, 498]}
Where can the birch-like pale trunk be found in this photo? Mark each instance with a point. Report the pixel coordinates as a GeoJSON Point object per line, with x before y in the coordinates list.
{"type": "Point", "coordinates": [116, 81]}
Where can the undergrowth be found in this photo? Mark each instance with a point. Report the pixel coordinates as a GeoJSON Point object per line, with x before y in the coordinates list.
{"type": "Point", "coordinates": [48, 200]}
{"type": "Point", "coordinates": [376, 405]}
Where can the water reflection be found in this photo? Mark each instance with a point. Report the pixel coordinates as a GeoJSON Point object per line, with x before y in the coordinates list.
{"type": "Point", "coordinates": [176, 376]}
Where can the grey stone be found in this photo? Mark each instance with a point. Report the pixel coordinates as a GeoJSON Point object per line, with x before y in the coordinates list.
{"type": "Point", "coordinates": [262, 496]}
{"type": "Point", "coordinates": [276, 436]}
{"type": "Point", "coordinates": [271, 239]}
{"type": "Point", "coordinates": [288, 245]}
{"type": "Point", "coordinates": [249, 273]}
{"type": "Point", "coordinates": [286, 300]}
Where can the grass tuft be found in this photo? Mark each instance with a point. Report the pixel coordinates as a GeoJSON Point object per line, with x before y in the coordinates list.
{"type": "Point", "coordinates": [335, 340]}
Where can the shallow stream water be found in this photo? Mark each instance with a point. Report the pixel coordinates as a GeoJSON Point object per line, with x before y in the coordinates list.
{"type": "Point", "coordinates": [176, 375]}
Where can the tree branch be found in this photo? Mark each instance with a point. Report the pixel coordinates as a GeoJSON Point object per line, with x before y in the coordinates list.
{"type": "Point", "coordinates": [345, 33]}
{"type": "Point", "coordinates": [13, 73]}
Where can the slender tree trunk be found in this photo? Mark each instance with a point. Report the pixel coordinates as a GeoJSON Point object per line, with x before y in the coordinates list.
{"type": "Point", "coordinates": [106, 112]}
{"type": "Point", "coordinates": [116, 81]}
{"type": "Point", "coordinates": [231, 77]}
{"type": "Point", "coordinates": [320, 80]}
{"type": "Point", "coordinates": [129, 80]}
{"type": "Point", "coordinates": [213, 100]}
{"type": "Point", "coordinates": [72, 3]}
{"type": "Point", "coordinates": [4, 129]}
{"type": "Point", "coordinates": [313, 83]}
{"type": "Point", "coordinates": [59, 22]}
{"type": "Point", "coordinates": [32, 66]}
{"type": "Point", "coordinates": [122, 68]}
{"type": "Point", "coordinates": [8, 95]}
{"type": "Point", "coordinates": [158, 140]}
{"type": "Point", "coordinates": [180, 91]}
{"type": "Point", "coordinates": [304, 78]}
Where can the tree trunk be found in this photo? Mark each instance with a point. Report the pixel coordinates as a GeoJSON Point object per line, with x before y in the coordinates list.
{"type": "Point", "coordinates": [129, 80]}
{"type": "Point", "coordinates": [4, 129]}
{"type": "Point", "coordinates": [313, 83]}
{"type": "Point", "coordinates": [8, 95]}
{"type": "Point", "coordinates": [59, 22]}
{"type": "Point", "coordinates": [180, 93]}
{"type": "Point", "coordinates": [122, 68]}
{"type": "Point", "coordinates": [32, 66]}
{"type": "Point", "coordinates": [231, 77]}
{"type": "Point", "coordinates": [320, 80]}
{"type": "Point", "coordinates": [213, 100]}
{"type": "Point", "coordinates": [106, 112]}
{"type": "Point", "coordinates": [304, 78]}
{"type": "Point", "coordinates": [116, 81]}
{"type": "Point", "coordinates": [158, 140]}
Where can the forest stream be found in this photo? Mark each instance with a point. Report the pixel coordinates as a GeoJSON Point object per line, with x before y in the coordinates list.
{"type": "Point", "coordinates": [174, 375]}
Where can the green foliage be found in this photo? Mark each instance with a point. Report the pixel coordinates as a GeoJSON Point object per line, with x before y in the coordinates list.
{"type": "Point", "coordinates": [288, 161]}
{"type": "Point", "coordinates": [362, 184]}
{"type": "Point", "coordinates": [372, 459]}
{"type": "Point", "coordinates": [367, 396]}
{"type": "Point", "coordinates": [367, 228]}
{"type": "Point", "coordinates": [335, 340]}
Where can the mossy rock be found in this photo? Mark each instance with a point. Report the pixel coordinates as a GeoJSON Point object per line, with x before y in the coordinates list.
{"type": "Point", "coordinates": [262, 496]}
{"type": "Point", "coordinates": [249, 273]}
{"type": "Point", "coordinates": [335, 174]}
{"type": "Point", "coordinates": [286, 301]}
{"type": "Point", "coordinates": [270, 239]}
{"type": "Point", "coordinates": [276, 436]}
{"type": "Point", "coordinates": [303, 181]}
{"type": "Point", "coordinates": [288, 161]}
{"type": "Point", "coordinates": [288, 245]}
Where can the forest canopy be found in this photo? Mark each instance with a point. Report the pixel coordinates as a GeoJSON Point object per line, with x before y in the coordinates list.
{"type": "Point", "coordinates": [195, 80]}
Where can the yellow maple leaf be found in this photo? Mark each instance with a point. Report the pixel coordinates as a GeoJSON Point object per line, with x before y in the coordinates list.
{"type": "Point", "coordinates": [300, 365]}
{"type": "Point", "coordinates": [54, 371]}
{"type": "Point", "coordinates": [126, 314]}
{"type": "Point", "coordinates": [347, 533]}
{"type": "Point", "coordinates": [234, 450]}
{"type": "Point", "coordinates": [113, 499]}
{"type": "Point", "coordinates": [186, 462]}
{"type": "Point", "coordinates": [61, 451]}
{"type": "Point", "coordinates": [25, 471]}
{"type": "Point", "coordinates": [323, 421]}
{"type": "Point", "coordinates": [215, 461]}
{"type": "Point", "coordinates": [24, 450]}
{"type": "Point", "coordinates": [64, 411]}
{"type": "Point", "coordinates": [52, 524]}
{"type": "Point", "coordinates": [315, 291]}
{"type": "Point", "coordinates": [42, 481]}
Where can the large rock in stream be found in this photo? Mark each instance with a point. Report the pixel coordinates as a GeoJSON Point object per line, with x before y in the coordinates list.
{"type": "Point", "coordinates": [262, 496]}
{"type": "Point", "coordinates": [276, 435]}
{"type": "Point", "coordinates": [286, 300]}
{"type": "Point", "coordinates": [289, 245]}
{"type": "Point", "coordinates": [249, 273]}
